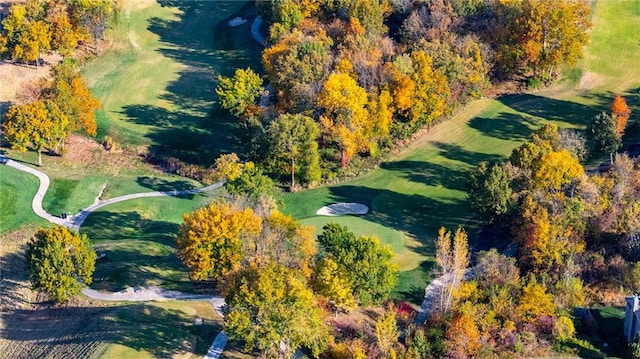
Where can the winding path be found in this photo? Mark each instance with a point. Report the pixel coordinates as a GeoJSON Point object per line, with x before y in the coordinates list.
{"type": "Point", "coordinates": [131, 294]}
{"type": "Point", "coordinates": [74, 222]}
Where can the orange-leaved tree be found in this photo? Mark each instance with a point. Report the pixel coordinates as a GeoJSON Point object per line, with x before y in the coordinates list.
{"type": "Point", "coordinates": [620, 112]}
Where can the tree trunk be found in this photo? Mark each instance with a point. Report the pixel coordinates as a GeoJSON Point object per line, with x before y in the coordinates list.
{"type": "Point", "coordinates": [293, 173]}
{"type": "Point", "coordinates": [343, 159]}
{"type": "Point", "coordinates": [611, 157]}
{"type": "Point", "coordinates": [39, 157]}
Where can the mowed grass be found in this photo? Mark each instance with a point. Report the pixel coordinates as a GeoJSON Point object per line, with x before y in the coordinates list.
{"type": "Point", "coordinates": [424, 187]}
{"type": "Point", "coordinates": [16, 193]}
{"type": "Point", "coordinates": [138, 237]}
{"type": "Point", "coordinates": [157, 81]}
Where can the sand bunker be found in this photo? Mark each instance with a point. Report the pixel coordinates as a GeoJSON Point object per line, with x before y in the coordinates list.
{"type": "Point", "coordinates": [236, 21]}
{"type": "Point", "coordinates": [340, 209]}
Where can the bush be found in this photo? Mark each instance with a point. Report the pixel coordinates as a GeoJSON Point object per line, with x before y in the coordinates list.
{"type": "Point", "coordinates": [564, 328]}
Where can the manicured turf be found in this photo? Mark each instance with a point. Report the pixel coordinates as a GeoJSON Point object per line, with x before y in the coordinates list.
{"type": "Point", "coordinates": [162, 330]}
{"type": "Point", "coordinates": [423, 188]}
{"type": "Point", "coordinates": [138, 237]}
{"type": "Point", "coordinates": [157, 83]}
{"type": "Point", "coordinates": [16, 192]}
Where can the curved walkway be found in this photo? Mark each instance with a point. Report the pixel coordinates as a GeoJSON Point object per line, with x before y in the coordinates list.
{"type": "Point", "coordinates": [135, 294]}
{"type": "Point", "coordinates": [74, 222]}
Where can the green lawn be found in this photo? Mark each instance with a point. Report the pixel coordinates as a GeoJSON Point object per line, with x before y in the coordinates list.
{"type": "Point", "coordinates": [16, 192]}
{"type": "Point", "coordinates": [157, 82]}
{"type": "Point", "coordinates": [138, 237]}
{"type": "Point", "coordinates": [161, 330]}
{"type": "Point", "coordinates": [423, 188]}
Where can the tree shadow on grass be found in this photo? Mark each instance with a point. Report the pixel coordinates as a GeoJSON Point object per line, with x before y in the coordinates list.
{"type": "Point", "coordinates": [505, 126]}
{"type": "Point", "coordinates": [572, 113]}
{"type": "Point", "coordinates": [163, 185]}
{"type": "Point", "coordinates": [56, 332]}
{"type": "Point", "coordinates": [193, 128]}
{"type": "Point", "coordinates": [139, 252]}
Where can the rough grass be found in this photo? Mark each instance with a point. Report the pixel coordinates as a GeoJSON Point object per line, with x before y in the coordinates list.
{"type": "Point", "coordinates": [157, 81]}
{"type": "Point", "coordinates": [424, 187]}
{"type": "Point", "coordinates": [139, 239]}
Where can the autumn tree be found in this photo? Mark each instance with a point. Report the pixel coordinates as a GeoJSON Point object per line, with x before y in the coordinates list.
{"type": "Point", "coordinates": [270, 306]}
{"type": "Point", "coordinates": [556, 169]}
{"type": "Point", "coordinates": [228, 166]}
{"type": "Point", "coordinates": [452, 259]}
{"type": "Point", "coordinates": [387, 333]}
{"type": "Point", "coordinates": [282, 240]}
{"type": "Point", "coordinates": [25, 33]}
{"type": "Point", "coordinates": [39, 125]}
{"type": "Point", "coordinates": [332, 282]}
{"type": "Point", "coordinates": [367, 264]}
{"type": "Point", "coordinates": [239, 92]}
{"type": "Point", "coordinates": [604, 131]}
{"type": "Point", "coordinates": [60, 261]}
{"type": "Point", "coordinates": [535, 302]}
{"type": "Point", "coordinates": [554, 33]}
{"type": "Point", "coordinates": [293, 146]}
{"type": "Point", "coordinates": [489, 191]}
{"type": "Point", "coordinates": [94, 17]}
{"type": "Point", "coordinates": [64, 35]}
{"type": "Point", "coordinates": [210, 240]}
{"type": "Point", "coordinates": [620, 113]}
{"type": "Point", "coordinates": [346, 119]}
{"type": "Point", "coordinates": [463, 336]}
{"type": "Point", "coordinates": [70, 92]}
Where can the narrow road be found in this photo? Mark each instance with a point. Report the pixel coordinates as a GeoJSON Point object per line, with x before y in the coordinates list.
{"type": "Point", "coordinates": [74, 222]}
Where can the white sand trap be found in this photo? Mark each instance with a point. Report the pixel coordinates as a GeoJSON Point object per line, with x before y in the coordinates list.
{"type": "Point", "coordinates": [340, 209]}
{"type": "Point", "coordinates": [236, 21]}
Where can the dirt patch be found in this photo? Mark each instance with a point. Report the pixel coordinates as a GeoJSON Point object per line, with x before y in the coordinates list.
{"type": "Point", "coordinates": [85, 155]}
{"type": "Point", "coordinates": [14, 76]}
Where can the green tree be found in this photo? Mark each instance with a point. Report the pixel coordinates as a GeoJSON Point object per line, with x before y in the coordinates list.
{"type": "Point", "coordinates": [489, 191]}
{"type": "Point", "coordinates": [251, 182]}
{"type": "Point", "coordinates": [603, 130]}
{"type": "Point", "coordinates": [293, 140]}
{"type": "Point", "coordinates": [237, 93]}
{"type": "Point", "coordinates": [210, 239]}
{"type": "Point", "coordinates": [59, 262]}
{"type": "Point", "coordinates": [271, 305]}
{"type": "Point", "coordinates": [367, 264]}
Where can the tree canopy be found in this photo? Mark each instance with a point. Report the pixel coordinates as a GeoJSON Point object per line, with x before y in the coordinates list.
{"type": "Point", "coordinates": [60, 261]}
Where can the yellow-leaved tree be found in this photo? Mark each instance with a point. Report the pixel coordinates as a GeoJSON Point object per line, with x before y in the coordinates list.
{"type": "Point", "coordinates": [346, 120]}
{"type": "Point", "coordinates": [210, 240]}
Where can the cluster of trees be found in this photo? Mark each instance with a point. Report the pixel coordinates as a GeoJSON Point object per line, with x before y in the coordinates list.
{"type": "Point", "coordinates": [576, 235]}
{"type": "Point", "coordinates": [53, 110]}
{"type": "Point", "coordinates": [360, 75]}
{"type": "Point", "coordinates": [274, 276]}
{"type": "Point", "coordinates": [38, 26]}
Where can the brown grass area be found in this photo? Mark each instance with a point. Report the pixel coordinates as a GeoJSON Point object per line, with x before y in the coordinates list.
{"type": "Point", "coordinates": [14, 76]}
